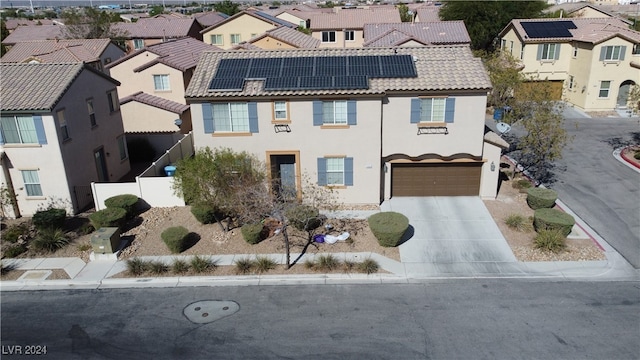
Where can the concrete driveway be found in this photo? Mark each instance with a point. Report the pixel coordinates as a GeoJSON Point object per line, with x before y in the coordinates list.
{"type": "Point", "coordinates": [451, 235]}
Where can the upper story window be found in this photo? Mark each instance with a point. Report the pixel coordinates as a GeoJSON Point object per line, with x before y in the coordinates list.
{"type": "Point", "coordinates": [217, 39]}
{"type": "Point", "coordinates": [235, 39]}
{"type": "Point", "coordinates": [636, 49]}
{"type": "Point", "coordinates": [231, 117]}
{"type": "Point", "coordinates": [432, 110]}
{"type": "Point", "coordinates": [612, 53]}
{"type": "Point", "coordinates": [92, 113]}
{"type": "Point", "coordinates": [328, 36]}
{"type": "Point", "coordinates": [349, 35]}
{"type": "Point", "coordinates": [604, 89]}
{"type": "Point", "coordinates": [548, 51]}
{"type": "Point", "coordinates": [522, 52]}
{"type": "Point", "coordinates": [62, 122]}
{"type": "Point", "coordinates": [575, 51]}
{"type": "Point", "coordinates": [280, 111]}
{"type": "Point", "coordinates": [161, 82]}
{"type": "Point", "coordinates": [334, 112]}
{"type": "Point", "coordinates": [114, 103]}
{"type": "Point", "coordinates": [138, 44]}
{"type": "Point", "coordinates": [22, 129]}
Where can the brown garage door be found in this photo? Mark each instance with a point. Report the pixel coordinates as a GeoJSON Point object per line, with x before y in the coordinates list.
{"type": "Point", "coordinates": [461, 179]}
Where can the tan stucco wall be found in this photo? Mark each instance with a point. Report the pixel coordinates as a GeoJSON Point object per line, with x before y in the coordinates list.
{"type": "Point", "coordinates": [340, 41]}
{"type": "Point", "coordinates": [270, 43]}
{"type": "Point", "coordinates": [245, 25]}
{"type": "Point", "coordinates": [489, 178]}
{"type": "Point", "coordinates": [138, 117]}
{"type": "Point", "coordinates": [293, 19]}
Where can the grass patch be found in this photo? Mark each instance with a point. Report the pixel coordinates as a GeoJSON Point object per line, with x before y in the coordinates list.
{"type": "Point", "coordinates": [179, 266]}
{"type": "Point", "coordinates": [244, 266]}
{"type": "Point", "coordinates": [368, 266]}
{"type": "Point", "coordinates": [327, 262]}
{"type": "Point", "coordinates": [518, 222]}
{"type": "Point", "coordinates": [137, 266]}
{"type": "Point", "coordinates": [158, 267]}
{"type": "Point", "coordinates": [201, 264]}
{"type": "Point", "coordinates": [552, 240]}
{"type": "Point", "coordinates": [263, 264]}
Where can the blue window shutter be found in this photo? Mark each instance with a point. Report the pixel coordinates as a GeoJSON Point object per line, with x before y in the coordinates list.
{"type": "Point", "coordinates": [415, 111]}
{"type": "Point", "coordinates": [557, 55]}
{"type": "Point", "coordinates": [253, 117]}
{"type": "Point", "coordinates": [539, 55]}
{"type": "Point", "coordinates": [42, 137]}
{"type": "Point", "coordinates": [207, 118]}
{"type": "Point", "coordinates": [352, 115]}
{"type": "Point", "coordinates": [603, 51]}
{"type": "Point", "coordinates": [449, 109]}
{"type": "Point", "coordinates": [348, 171]}
{"type": "Point", "coordinates": [317, 113]}
{"type": "Point", "coordinates": [322, 171]}
{"type": "Point", "coordinates": [623, 49]}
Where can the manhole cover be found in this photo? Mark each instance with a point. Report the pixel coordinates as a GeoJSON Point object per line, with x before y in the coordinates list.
{"type": "Point", "coordinates": [206, 311]}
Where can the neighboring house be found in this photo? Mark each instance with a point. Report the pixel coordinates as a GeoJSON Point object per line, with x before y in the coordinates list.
{"type": "Point", "coordinates": [584, 10]}
{"type": "Point", "coordinates": [34, 33]}
{"type": "Point", "coordinates": [344, 28]}
{"type": "Point", "coordinates": [592, 63]}
{"type": "Point", "coordinates": [282, 37]}
{"type": "Point", "coordinates": [152, 88]}
{"type": "Point", "coordinates": [12, 24]}
{"type": "Point", "coordinates": [154, 30]}
{"type": "Point", "coordinates": [370, 123]}
{"type": "Point", "coordinates": [416, 34]}
{"type": "Point", "coordinates": [427, 14]}
{"type": "Point", "coordinates": [93, 52]}
{"type": "Point", "coordinates": [209, 18]}
{"type": "Point", "coordinates": [241, 27]}
{"type": "Point", "coordinates": [60, 130]}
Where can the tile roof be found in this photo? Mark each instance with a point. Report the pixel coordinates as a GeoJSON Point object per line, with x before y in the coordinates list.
{"type": "Point", "coordinates": [290, 36]}
{"type": "Point", "coordinates": [181, 54]}
{"type": "Point", "coordinates": [38, 87]}
{"type": "Point", "coordinates": [209, 18]}
{"type": "Point", "coordinates": [11, 24]}
{"type": "Point", "coordinates": [428, 14]}
{"type": "Point", "coordinates": [438, 32]}
{"type": "Point", "coordinates": [156, 101]}
{"type": "Point", "coordinates": [146, 28]}
{"type": "Point", "coordinates": [246, 46]}
{"type": "Point", "coordinates": [256, 14]}
{"type": "Point", "coordinates": [30, 33]}
{"type": "Point", "coordinates": [75, 50]}
{"type": "Point", "coordinates": [590, 30]}
{"type": "Point", "coordinates": [353, 18]}
{"type": "Point", "coordinates": [444, 67]}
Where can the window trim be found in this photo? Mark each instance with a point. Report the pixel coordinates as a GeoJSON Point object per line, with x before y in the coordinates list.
{"type": "Point", "coordinates": [328, 33]}
{"type": "Point", "coordinates": [607, 89]}
{"type": "Point", "coordinates": [548, 46]}
{"type": "Point", "coordinates": [218, 37]}
{"type": "Point", "coordinates": [162, 77]}
{"type": "Point", "coordinates": [61, 119]}
{"type": "Point", "coordinates": [347, 171]}
{"type": "Point", "coordinates": [353, 35]}
{"type": "Point", "coordinates": [286, 119]}
{"type": "Point", "coordinates": [444, 110]}
{"type": "Point", "coordinates": [342, 172]}
{"type": "Point", "coordinates": [231, 36]}
{"type": "Point", "coordinates": [620, 57]}
{"type": "Point", "coordinates": [39, 183]}
{"type": "Point", "coordinates": [91, 110]}
{"type": "Point", "coordinates": [122, 150]}
{"type": "Point", "coordinates": [40, 136]}
{"type": "Point", "coordinates": [114, 102]}
{"type": "Point", "coordinates": [136, 42]}
{"type": "Point", "coordinates": [334, 123]}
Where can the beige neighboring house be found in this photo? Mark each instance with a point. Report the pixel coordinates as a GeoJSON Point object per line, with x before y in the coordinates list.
{"type": "Point", "coordinates": [395, 126]}
{"type": "Point", "coordinates": [282, 37]}
{"type": "Point", "coordinates": [60, 131]}
{"type": "Point", "coordinates": [416, 34]}
{"type": "Point", "coordinates": [345, 28]}
{"type": "Point", "coordinates": [154, 30]}
{"type": "Point", "coordinates": [585, 10]}
{"type": "Point", "coordinates": [93, 52]}
{"type": "Point", "coordinates": [241, 27]}
{"type": "Point", "coordinates": [591, 63]}
{"type": "Point", "coordinates": [152, 89]}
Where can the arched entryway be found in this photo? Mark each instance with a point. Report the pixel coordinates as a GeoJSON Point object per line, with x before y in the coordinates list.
{"type": "Point", "coordinates": [623, 93]}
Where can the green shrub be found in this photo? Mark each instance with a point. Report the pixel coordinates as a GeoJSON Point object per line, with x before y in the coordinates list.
{"type": "Point", "coordinates": [137, 266]}
{"type": "Point", "coordinates": [14, 231]}
{"type": "Point", "coordinates": [14, 251]}
{"type": "Point", "coordinates": [84, 247]}
{"type": "Point", "coordinates": [539, 198]}
{"type": "Point", "coordinates": [127, 202]}
{"type": "Point", "coordinates": [264, 264]}
{"type": "Point", "coordinates": [109, 217]}
{"type": "Point", "coordinates": [553, 219]}
{"type": "Point", "coordinates": [200, 264]}
{"type": "Point", "coordinates": [304, 217]}
{"type": "Point", "coordinates": [50, 240]}
{"type": "Point", "coordinates": [244, 266]}
{"type": "Point", "coordinates": [158, 267]}
{"type": "Point", "coordinates": [85, 229]}
{"type": "Point", "coordinates": [636, 155]}
{"type": "Point", "coordinates": [140, 150]}
{"type": "Point", "coordinates": [521, 184]}
{"type": "Point", "coordinates": [327, 262]}
{"type": "Point", "coordinates": [179, 266]}
{"type": "Point", "coordinates": [49, 219]}
{"type": "Point", "coordinates": [252, 233]}
{"type": "Point", "coordinates": [550, 240]}
{"type": "Point", "coordinates": [517, 222]}
{"type": "Point", "coordinates": [175, 238]}
{"type": "Point", "coordinates": [205, 214]}
{"type": "Point", "coordinates": [388, 227]}
{"type": "Point", "coordinates": [368, 266]}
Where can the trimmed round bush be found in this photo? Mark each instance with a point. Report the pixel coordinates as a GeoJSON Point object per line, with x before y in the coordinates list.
{"type": "Point", "coordinates": [127, 202]}
{"type": "Point", "coordinates": [175, 238]}
{"type": "Point", "coordinates": [539, 198]}
{"type": "Point", "coordinates": [388, 227]}
{"type": "Point", "coordinates": [205, 214]}
{"type": "Point", "coordinates": [304, 217]}
{"type": "Point", "coordinates": [553, 219]}
{"type": "Point", "coordinates": [252, 233]}
{"type": "Point", "coordinates": [109, 217]}
{"type": "Point", "coordinates": [49, 219]}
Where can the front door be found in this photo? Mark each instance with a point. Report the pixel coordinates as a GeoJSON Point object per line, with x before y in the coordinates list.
{"type": "Point", "coordinates": [283, 173]}
{"type": "Point", "coordinates": [101, 165]}
{"type": "Point", "coordinates": [623, 93]}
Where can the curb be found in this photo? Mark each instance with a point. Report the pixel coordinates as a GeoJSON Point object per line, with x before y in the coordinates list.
{"type": "Point", "coordinates": [624, 157]}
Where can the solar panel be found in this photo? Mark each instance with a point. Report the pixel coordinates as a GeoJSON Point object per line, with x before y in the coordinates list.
{"type": "Point", "coordinates": [316, 82]}
{"type": "Point", "coordinates": [548, 29]}
{"type": "Point", "coordinates": [281, 83]}
{"type": "Point", "coordinates": [351, 82]}
{"type": "Point", "coordinates": [232, 68]}
{"type": "Point", "coordinates": [227, 84]}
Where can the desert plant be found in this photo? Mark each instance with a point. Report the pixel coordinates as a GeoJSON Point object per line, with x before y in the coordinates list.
{"type": "Point", "coordinates": [539, 198]}
{"type": "Point", "coordinates": [349, 265]}
{"type": "Point", "coordinates": [244, 265]}
{"type": "Point", "coordinates": [252, 233]}
{"type": "Point", "coordinates": [175, 238]}
{"type": "Point", "coordinates": [50, 240]}
{"type": "Point", "coordinates": [109, 217]}
{"type": "Point", "coordinates": [517, 222]}
{"type": "Point", "coordinates": [201, 264]}
{"type": "Point", "coordinates": [368, 266]}
{"type": "Point", "coordinates": [14, 231]}
{"type": "Point", "coordinates": [521, 184]}
{"type": "Point", "coordinates": [85, 229]}
{"type": "Point", "coordinates": [205, 214]}
{"type": "Point", "coordinates": [636, 155]}
{"type": "Point", "coordinates": [84, 247]}
{"type": "Point", "coordinates": [553, 219]}
{"type": "Point", "coordinates": [179, 266]}
{"type": "Point", "coordinates": [304, 217]}
{"type": "Point", "coordinates": [263, 264]}
{"type": "Point", "coordinates": [126, 201]}
{"type": "Point", "coordinates": [388, 227]}
{"type": "Point", "coordinates": [14, 251]}
{"type": "Point", "coordinates": [49, 219]}
{"type": "Point", "coordinates": [550, 240]}
{"type": "Point", "coordinates": [309, 264]}
{"type": "Point", "coordinates": [327, 262]}
{"type": "Point", "coordinates": [137, 266]}
{"type": "Point", "coordinates": [158, 267]}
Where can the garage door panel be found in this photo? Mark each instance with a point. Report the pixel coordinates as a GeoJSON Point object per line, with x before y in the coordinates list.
{"type": "Point", "coordinates": [435, 179]}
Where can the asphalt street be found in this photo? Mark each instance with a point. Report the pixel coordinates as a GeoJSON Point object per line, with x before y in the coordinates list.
{"type": "Point", "coordinates": [465, 319]}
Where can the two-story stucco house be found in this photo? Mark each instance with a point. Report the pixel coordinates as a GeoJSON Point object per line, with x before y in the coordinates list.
{"type": "Point", "coordinates": [371, 123]}
{"type": "Point", "coordinates": [592, 63]}
{"type": "Point", "coordinates": [157, 29]}
{"type": "Point", "coordinates": [416, 34]}
{"type": "Point", "coordinates": [60, 130]}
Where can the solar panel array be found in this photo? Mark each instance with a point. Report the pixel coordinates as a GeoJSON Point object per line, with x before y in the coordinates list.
{"type": "Point", "coordinates": [301, 73]}
{"type": "Point", "coordinates": [548, 29]}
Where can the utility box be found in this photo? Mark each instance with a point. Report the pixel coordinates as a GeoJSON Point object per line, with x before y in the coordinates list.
{"type": "Point", "coordinates": [106, 240]}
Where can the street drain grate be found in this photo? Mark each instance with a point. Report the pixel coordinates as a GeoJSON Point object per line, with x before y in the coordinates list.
{"type": "Point", "coordinates": [206, 311]}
